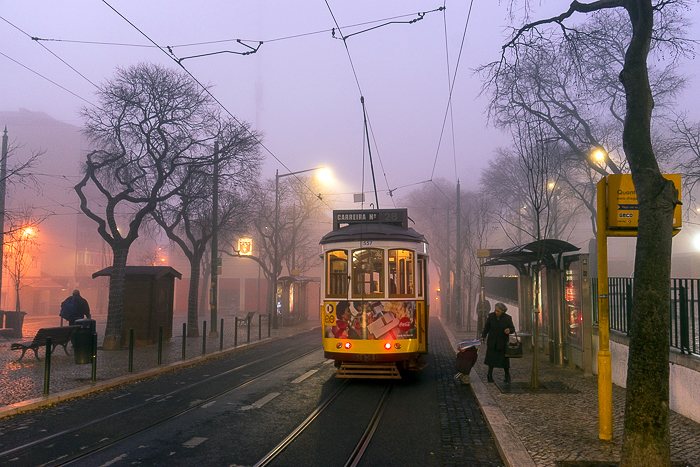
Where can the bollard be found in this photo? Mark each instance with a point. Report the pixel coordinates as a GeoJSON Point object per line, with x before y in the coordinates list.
{"type": "Point", "coordinates": [248, 331]}
{"type": "Point", "coordinates": [221, 335]}
{"type": "Point", "coordinates": [94, 357]}
{"type": "Point", "coordinates": [269, 321]}
{"type": "Point", "coordinates": [204, 337]}
{"type": "Point", "coordinates": [160, 345]}
{"type": "Point", "coordinates": [47, 366]}
{"type": "Point", "coordinates": [259, 326]}
{"type": "Point", "coordinates": [184, 340]}
{"type": "Point", "coordinates": [235, 333]}
{"type": "Point", "coordinates": [131, 350]}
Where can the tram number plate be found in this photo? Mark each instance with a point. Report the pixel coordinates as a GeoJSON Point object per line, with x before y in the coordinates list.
{"type": "Point", "coordinates": [329, 317]}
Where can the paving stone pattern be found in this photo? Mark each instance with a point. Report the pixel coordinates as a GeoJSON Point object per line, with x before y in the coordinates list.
{"type": "Point", "coordinates": [564, 427]}
{"type": "Point", "coordinates": [466, 439]}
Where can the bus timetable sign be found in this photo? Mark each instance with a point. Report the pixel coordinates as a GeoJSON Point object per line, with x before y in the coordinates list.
{"type": "Point", "coordinates": [623, 208]}
{"type": "Point", "coordinates": [398, 217]}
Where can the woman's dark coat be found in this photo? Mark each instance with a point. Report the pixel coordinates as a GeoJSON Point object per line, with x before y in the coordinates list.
{"type": "Point", "coordinates": [497, 339]}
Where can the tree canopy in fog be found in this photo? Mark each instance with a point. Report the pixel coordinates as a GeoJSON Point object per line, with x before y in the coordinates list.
{"type": "Point", "coordinates": [598, 77]}
{"type": "Point", "coordinates": [153, 132]}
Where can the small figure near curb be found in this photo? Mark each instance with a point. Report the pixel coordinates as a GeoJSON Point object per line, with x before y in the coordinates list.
{"type": "Point", "coordinates": [499, 325]}
{"type": "Point", "coordinates": [74, 307]}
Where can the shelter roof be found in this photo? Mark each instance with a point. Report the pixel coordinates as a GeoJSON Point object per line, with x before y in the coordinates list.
{"type": "Point", "coordinates": [541, 250]}
{"type": "Point", "coordinates": [157, 271]}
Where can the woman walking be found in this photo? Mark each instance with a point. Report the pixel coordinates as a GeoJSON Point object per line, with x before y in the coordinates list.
{"type": "Point", "coordinates": [498, 325]}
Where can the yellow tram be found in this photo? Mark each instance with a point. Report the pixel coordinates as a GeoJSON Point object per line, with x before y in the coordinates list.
{"type": "Point", "coordinates": [375, 305]}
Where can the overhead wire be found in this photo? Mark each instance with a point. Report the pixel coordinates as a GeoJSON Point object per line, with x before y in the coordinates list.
{"type": "Point", "coordinates": [174, 58]}
{"type": "Point", "coordinates": [50, 51]}
{"type": "Point", "coordinates": [451, 90]}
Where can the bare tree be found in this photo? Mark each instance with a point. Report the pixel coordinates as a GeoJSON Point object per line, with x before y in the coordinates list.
{"type": "Point", "coordinates": [151, 130]}
{"type": "Point", "coordinates": [21, 246]}
{"type": "Point", "coordinates": [187, 218]}
{"type": "Point", "coordinates": [686, 136]}
{"type": "Point", "coordinates": [646, 432]}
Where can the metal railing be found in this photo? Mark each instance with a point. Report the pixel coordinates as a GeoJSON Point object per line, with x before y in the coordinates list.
{"type": "Point", "coordinates": [684, 310]}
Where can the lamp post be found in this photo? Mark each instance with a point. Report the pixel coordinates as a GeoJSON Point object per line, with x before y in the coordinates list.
{"type": "Point", "coordinates": [275, 265]}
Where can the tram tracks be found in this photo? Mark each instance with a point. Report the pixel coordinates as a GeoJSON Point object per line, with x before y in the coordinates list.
{"type": "Point", "coordinates": [17, 451]}
{"type": "Point", "coordinates": [364, 440]}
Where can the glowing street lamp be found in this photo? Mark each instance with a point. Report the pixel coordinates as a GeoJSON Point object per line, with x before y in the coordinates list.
{"type": "Point", "coordinates": [275, 272]}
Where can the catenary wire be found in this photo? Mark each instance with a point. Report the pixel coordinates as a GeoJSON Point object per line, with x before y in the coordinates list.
{"type": "Point", "coordinates": [454, 78]}
{"type": "Point", "coordinates": [171, 56]}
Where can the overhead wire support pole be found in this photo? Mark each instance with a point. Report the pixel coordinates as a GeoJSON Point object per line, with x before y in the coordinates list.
{"type": "Point", "coordinates": [213, 299]}
{"type": "Point", "coordinates": [369, 150]}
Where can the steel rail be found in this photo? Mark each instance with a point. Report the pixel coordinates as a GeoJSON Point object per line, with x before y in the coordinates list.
{"type": "Point", "coordinates": [31, 444]}
{"type": "Point", "coordinates": [369, 432]}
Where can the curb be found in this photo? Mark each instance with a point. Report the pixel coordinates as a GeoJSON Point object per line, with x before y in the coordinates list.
{"type": "Point", "coordinates": [48, 400]}
{"type": "Point", "coordinates": [510, 447]}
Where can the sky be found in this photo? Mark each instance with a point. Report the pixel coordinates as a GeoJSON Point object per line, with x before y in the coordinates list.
{"type": "Point", "coordinates": [302, 87]}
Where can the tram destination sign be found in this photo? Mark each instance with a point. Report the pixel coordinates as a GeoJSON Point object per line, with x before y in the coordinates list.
{"type": "Point", "coordinates": [398, 217]}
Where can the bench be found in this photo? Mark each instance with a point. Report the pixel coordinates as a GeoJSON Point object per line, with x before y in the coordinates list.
{"type": "Point", "coordinates": [248, 319]}
{"type": "Point", "coordinates": [59, 336]}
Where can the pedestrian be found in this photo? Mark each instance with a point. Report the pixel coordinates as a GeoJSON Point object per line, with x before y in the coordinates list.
{"type": "Point", "coordinates": [499, 325]}
{"type": "Point", "coordinates": [74, 307]}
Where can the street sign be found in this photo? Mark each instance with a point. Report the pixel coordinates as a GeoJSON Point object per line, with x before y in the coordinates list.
{"type": "Point", "coordinates": [623, 207]}
{"type": "Point", "coordinates": [488, 252]}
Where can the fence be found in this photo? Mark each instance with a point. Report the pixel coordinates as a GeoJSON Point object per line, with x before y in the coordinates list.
{"type": "Point", "coordinates": [684, 310]}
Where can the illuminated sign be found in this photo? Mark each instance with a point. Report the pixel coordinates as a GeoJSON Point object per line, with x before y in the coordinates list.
{"type": "Point", "coordinates": [245, 246]}
{"type": "Point", "coordinates": [623, 208]}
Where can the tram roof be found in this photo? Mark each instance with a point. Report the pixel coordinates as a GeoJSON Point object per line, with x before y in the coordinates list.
{"type": "Point", "coordinates": [386, 232]}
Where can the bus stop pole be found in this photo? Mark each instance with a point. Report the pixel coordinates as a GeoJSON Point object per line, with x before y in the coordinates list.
{"type": "Point", "coordinates": [605, 418]}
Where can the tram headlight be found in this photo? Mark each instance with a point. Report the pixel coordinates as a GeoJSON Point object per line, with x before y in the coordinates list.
{"type": "Point", "coordinates": [387, 346]}
{"type": "Point", "coordinates": [348, 345]}
{"type": "Point", "coordinates": [397, 345]}
{"type": "Point", "coordinates": [339, 345]}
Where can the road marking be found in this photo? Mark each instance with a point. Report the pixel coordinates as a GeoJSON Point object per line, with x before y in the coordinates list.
{"type": "Point", "coordinates": [208, 404]}
{"type": "Point", "coordinates": [113, 461]}
{"type": "Point", "coordinates": [156, 396]}
{"type": "Point", "coordinates": [261, 402]}
{"type": "Point", "coordinates": [194, 442]}
{"type": "Point", "coordinates": [195, 402]}
{"type": "Point", "coordinates": [304, 376]}
{"type": "Point", "coordinates": [123, 395]}
{"type": "Point", "coordinates": [328, 361]}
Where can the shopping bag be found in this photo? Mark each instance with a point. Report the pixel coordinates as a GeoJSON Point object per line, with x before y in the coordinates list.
{"type": "Point", "coordinates": [514, 349]}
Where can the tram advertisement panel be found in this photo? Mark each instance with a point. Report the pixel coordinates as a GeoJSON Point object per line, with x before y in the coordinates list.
{"type": "Point", "coordinates": [388, 319]}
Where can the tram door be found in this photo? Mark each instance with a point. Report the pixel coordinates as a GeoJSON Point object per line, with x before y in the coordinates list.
{"type": "Point", "coordinates": [422, 303]}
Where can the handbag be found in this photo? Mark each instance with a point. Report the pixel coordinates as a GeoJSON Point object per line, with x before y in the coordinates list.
{"type": "Point", "coordinates": [514, 349]}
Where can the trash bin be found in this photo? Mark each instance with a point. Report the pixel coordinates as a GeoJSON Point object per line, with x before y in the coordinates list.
{"type": "Point", "coordinates": [82, 340]}
{"type": "Point", "coordinates": [15, 320]}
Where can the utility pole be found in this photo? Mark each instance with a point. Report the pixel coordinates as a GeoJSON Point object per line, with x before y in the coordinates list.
{"type": "Point", "coordinates": [213, 298]}
{"type": "Point", "coordinates": [458, 260]}
{"type": "Point", "coordinates": [3, 176]}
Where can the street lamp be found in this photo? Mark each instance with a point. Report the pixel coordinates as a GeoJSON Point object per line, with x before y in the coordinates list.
{"type": "Point", "coordinates": [275, 272]}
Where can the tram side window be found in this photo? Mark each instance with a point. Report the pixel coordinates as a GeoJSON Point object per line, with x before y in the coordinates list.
{"type": "Point", "coordinates": [368, 272]}
{"type": "Point", "coordinates": [401, 273]}
{"type": "Point", "coordinates": [419, 273]}
{"type": "Point", "coordinates": [337, 279]}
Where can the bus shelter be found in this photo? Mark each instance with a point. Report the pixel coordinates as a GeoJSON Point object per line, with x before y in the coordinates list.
{"type": "Point", "coordinates": [295, 296]}
{"type": "Point", "coordinates": [540, 263]}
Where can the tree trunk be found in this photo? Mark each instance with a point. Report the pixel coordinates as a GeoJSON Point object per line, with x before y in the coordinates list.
{"type": "Point", "coordinates": [113, 331]}
{"type": "Point", "coordinates": [193, 298]}
{"type": "Point", "coordinates": [646, 437]}
{"type": "Point", "coordinates": [17, 308]}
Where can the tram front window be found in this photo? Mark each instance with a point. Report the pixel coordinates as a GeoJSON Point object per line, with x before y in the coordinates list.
{"type": "Point", "coordinates": [337, 279]}
{"type": "Point", "coordinates": [401, 277]}
{"type": "Point", "coordinates": [368, 272]}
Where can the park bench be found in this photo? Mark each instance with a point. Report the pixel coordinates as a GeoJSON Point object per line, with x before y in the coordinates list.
{"type": "Point", "coordinates": [248, 319]}
{"type": "Point", "coordinates": [59, 336]}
